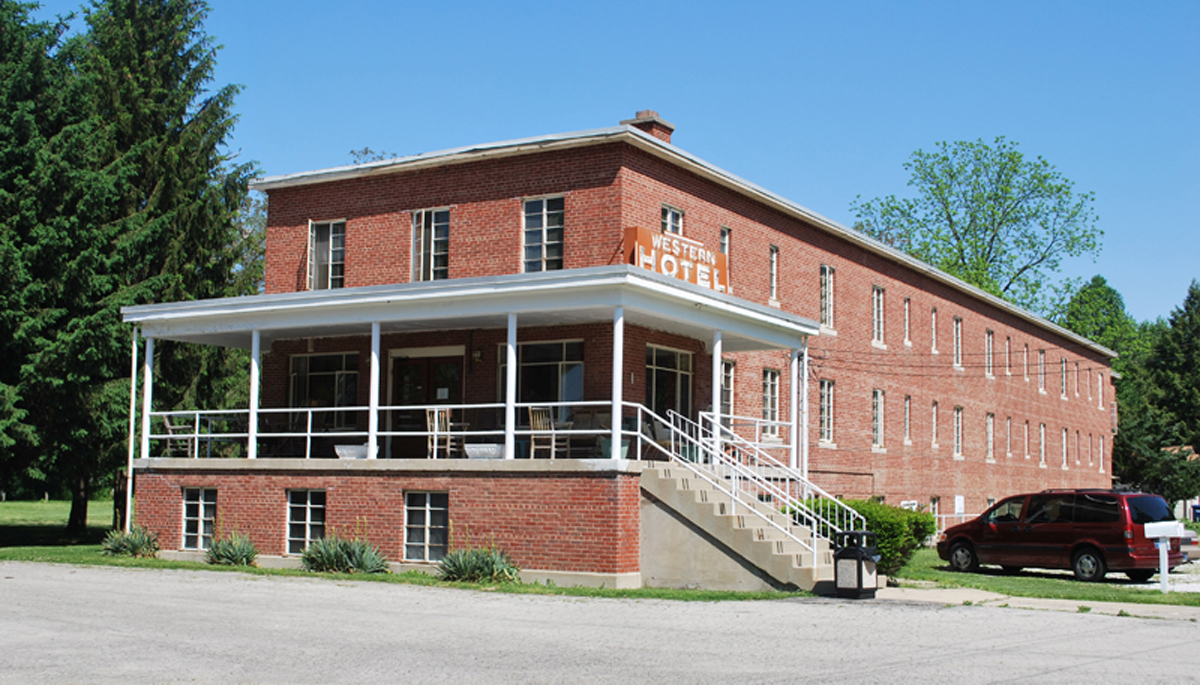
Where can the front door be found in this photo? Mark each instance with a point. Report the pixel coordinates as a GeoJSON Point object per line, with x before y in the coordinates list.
{"type": "Point", "coordinates": [415, 383]}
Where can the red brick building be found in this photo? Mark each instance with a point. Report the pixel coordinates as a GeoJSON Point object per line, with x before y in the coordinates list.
{"type": "Point", "coordinates": [398, 291]}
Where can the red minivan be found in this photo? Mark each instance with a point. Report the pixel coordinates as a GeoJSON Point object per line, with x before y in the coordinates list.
{"type": "Point", "coordinates": [1088, 531]}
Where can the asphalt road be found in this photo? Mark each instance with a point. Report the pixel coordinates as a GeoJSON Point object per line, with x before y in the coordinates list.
{"type": "Point", "coordinates": [65, 624]}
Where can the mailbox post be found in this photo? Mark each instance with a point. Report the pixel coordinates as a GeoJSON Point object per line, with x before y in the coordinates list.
{"type": "Point", "coordinates": [1163, 531]}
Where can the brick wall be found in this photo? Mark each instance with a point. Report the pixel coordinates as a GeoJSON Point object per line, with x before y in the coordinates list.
{"type": "Point", "coordinates": [584, 522]}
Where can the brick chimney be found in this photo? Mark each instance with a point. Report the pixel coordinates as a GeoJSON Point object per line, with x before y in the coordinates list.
{"type": "Point", "coordinates": [649, 121]}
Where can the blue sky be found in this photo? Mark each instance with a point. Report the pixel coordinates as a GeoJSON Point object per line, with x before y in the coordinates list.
{"type": "Point", "coordinates": [817, 101]}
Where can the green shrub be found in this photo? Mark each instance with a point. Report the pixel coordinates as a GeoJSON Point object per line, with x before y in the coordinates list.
{"type": "Point", "coordinates": [232, 550]}
{"type": "Point", "coordinates": [899, 532]}
{"type": "Point", "coordinates": [478, 565]}
{"type": "Point", "coordinates": [340, 555]}
{"type": "Point", "coordinates": [138, 542]}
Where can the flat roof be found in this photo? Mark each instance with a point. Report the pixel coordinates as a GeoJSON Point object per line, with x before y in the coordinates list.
{"type": "Point", "coordinates": [670, 153]}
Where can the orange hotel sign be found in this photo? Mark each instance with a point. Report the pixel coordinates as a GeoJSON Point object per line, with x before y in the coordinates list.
{"type": "Point", "coordinates": [673, 255]}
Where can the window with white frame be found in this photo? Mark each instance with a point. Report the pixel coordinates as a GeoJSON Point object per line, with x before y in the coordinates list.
{"type": "Point", "coordinates": [988, 342]}
{"type": "Point", "coordinates": [1026, 362]}
{"type": "Point", "coordinates": [770, 401]}
{"type": "Point", "coordinates": [1008, 355]}
{"type": "Point", "coordinates": [1100, 454]}
{"type": "Point", "coordinates": [431, 245]}
{"type": "Point", "coordinates": [1065, 437]}
{"type": "Point", "coordinates": [958, 431]}
{"type": "Point", "coordinates": [1100, 390]}
{"type": "Point", "coordinates": [668, 380]}
{"type": "Point", "coordinates": [1008, 437]}
{"type": "Point", "coordinates": [991, 437]}
{"type": "Point", "coordinates": [1026, 439]}
{"type": "Point", "coordinates": [1041, 444]}
{"type": "Point", "coordinates": [1063, 375]}
{"type": "Point", "coordinates": [1077, 379]}
{"type": "Point", "coordinates": [199, 517]}
{"type": "Point", "coordinates": [877, 418]}
{"type": "Point", "coordinates": [728, 369]}
{"type": "Point", "coordinates": [827, 295]}
{"type": "Point", "coordinates": [773, 274]}
{"type": "Point", "coordinates": [1041, 370]}
{"type": "Point", "coordinates": [1077, 446]}
{"type": "Point", "coordinates": [825, 420]}
{"type": "Point", "coordinates": [933, 330]}
{"type": "Point", "coordinates": [1091, 446]}
{"type": "Point", "coordinates": [907, 309]}
{"type": "Point", "coordinates": [426, 525]}
{"type": "Point", "coordinates": [907, 419]}
{"type": "Point", "coordinates": [306, 519]}
{"type": "Point", "coordinates": [877, 314]}
{"type": "Point", "coordinates": [672, 220]}
{"type": "Point", "coordinates": [958, 359]}
{"type": "Point", "coordinates": [326, 381]}
{"type": "Point", "coordinates": [326, 255]}
{"type": "Point", "coordinates": [543, 234]}
{"type": "Point", "coordinates": [933, 425]}
{"type": "Point", "coordinates": [726, 237]}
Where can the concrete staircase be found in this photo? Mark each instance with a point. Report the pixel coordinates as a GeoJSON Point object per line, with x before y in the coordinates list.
{"type": "Point", "coordinates": [745, 534]}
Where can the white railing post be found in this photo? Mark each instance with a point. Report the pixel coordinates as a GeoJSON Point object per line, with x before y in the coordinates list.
{"type": "Point", "coordinates": [308, 436]}
{"type": "Point", "coordinates": [147, 391]}
{"type": "Point", "coordinates": [510, 390]}
{"type": "Point", "coordinates": [133, 374]}
{"type": "Point", "coordinates": [373, 403]}
{"type": "Point", "coordinates": [252, 418]}
{"type": "Point", "coordinates": [804, 414]}
{"type": "Point", "coordinates": [618, 380]}
{"type": "Point", "coordinates": [196, 435]}
{"type": "Point", "coordinates": [794, 409]}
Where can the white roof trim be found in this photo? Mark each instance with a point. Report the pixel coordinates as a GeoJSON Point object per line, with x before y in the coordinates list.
{"type": "Point", "coordinates": [679, 157]}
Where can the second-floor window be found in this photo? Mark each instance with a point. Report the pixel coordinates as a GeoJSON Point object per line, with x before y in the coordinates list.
{"type": "Point", "coordinates": [827, 296]}
{"type": "Point", "coordinates": [773, 274]}
{"type": "Point", "coordinates": [672, 220]}
{"type": "Point", "coordinates": [543, 234]}
{"type": "Point", "coordinates": [877, 314]}
{"type": "Point", "coordinates": [431, 245]}
{"type": "Point", "coordinates": [958, 359]}
{"type": "Point", "coordinates": [326, 255]}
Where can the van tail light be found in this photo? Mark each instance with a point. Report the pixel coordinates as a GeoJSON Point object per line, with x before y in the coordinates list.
{"type": "Point", "coordinates": [1129, 533]}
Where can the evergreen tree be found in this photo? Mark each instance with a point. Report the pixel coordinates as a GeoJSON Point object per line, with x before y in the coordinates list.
{"type": "Point", "coordinates": [1174, 368]}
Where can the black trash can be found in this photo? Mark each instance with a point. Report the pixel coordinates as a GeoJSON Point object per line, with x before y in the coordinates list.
{"type": "Point", "coordinates": [854, 564]}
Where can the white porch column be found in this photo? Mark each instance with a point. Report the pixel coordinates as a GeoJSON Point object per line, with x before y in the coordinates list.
{"type": "Point", "coordinates": [718, 347]}
{"type": "Point", "coordinates": [510, 390]}
{"type": "Point", "coordinates": [804, 412]}
{"type": "Point", "coordinates": [618, 378]}
{"type": "Point", "coordinates": [147, 389]}
{"type": "Point", "coordinates": [133, 373]}
{"type": "Point", "coordinates": [794, 409]}
{"type": "Point", "coordinates": [373, 402]}
{"type": "Point", "coordinates": [252, 419]}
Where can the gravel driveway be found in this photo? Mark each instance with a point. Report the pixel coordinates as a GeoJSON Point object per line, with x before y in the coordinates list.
{"type": "Point", "coordinates": [63, 623]}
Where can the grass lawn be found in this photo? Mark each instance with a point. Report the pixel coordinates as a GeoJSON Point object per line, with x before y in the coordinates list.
{"type": "Point", "coordinates": [41, 522]}
{"type": "Point", "coordinates": [926, 565]}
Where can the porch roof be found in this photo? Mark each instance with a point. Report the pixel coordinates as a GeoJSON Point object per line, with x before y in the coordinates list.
{"type": "Point", "coordinates": [550, 298]}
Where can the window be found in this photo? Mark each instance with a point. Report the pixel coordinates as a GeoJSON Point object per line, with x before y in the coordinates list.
{"type": "Point", "coordinates": [544, 234]}
{"type": "Point", "coordinates": [668, 380]}
{"type": "Point", "coordinates": [726, 235]}
{"type": "Point", "coordinates": [1065, 437]}
{"type": "Point", "coordinates": [1077, 379]}
{"type": "Point", "coordinates": [306, 519]}
{"type": "Point", "coordinates": [199, 515]}
{"type": "Point", "coordinates": [1077, 446]}
{"type": "Point", "coordinates": [1100, 453]}
{"type": "Point", "coordinates": [1008, 437]}
{"type": "Point", "coordinates": [326, 255]}
{"type": "Point", "coordinates": [727, 375]}
{"type": "Point", "coordinates": [773, 274]}
{"type": "Point", "coordinates": [958, 342]}
{"type": "Point", "coordinates": [1041, 370]}
{"type": "Point", "coordinates": [988, 340]}
{"type": "Point", "coordinates": [991, 437]}
{"type": "Point", "coordinates": [672, 220]}
{"type": "Point", "coordinates": [933, 425]}
{"type": "Point", "coordinates": [907, 420]}
{"type": "Point", "coordinates": [877, 418]}
{"type": "Point", "coordinates": [1026, 362]}
{"type": "Point", "coordinates": [933, 330]}
{"type": "Point", "coordinates": [1091, 454]}
{"type": "Point", "coordinates": [1100, 390]}
{"type": "Point", "coordinates": [326, 380]}
{"type": "Point", "coordinates": [1063, 376]}
{"type": "Point", "coordinates": [877, 315]}
{"type": "Point", "coordinates": [958, 434]}
{"type": "Point", "coordinates": [426, 522]}
{"type": "Point", "coordinates": [1027, 438]}
{"type": "Point", "coordinates": [547, 372]}
{"type": "Point", "coordinates": [431, 245]}
{"type": "Point", "coordinates": [1008, 355]}
{"type": "Point", "coordinates": [907, 309]}
{"type": "Point", "coordinates": [1041, 444]}
{"type": "Point", "coordinates": [827, 296]}
{"type": "Point", "coordinates": [770, 406]}
{"type": "Point", "coordinates": [826, 411]}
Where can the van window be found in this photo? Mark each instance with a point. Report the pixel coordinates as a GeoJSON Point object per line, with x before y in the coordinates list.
{"type": "Point", "coordinates": [1054, 508]}
{"type": "Point", "coordinates": [1148, 509]}
{"type": "Point", "coordinates": [1007, 511]}
{"type": "Point", "coordinates": [1091, 508]}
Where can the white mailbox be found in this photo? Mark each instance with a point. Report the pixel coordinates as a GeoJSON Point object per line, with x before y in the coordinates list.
{"type": "Point", "coordinates": [1164, 529]}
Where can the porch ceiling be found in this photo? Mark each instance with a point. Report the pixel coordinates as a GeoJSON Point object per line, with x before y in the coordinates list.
{"type": "Point", "coordinates": [574, 296]}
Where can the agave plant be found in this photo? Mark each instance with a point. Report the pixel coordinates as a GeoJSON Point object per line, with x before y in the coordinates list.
{"type": "Point", "coordinates": [339, 555]}
{"type": "Point", "coordinates": [138, 542]}
{"type": "Point", "coordinates": [233, 550]}
{"type": "Point", "coordinates": [478, 565]}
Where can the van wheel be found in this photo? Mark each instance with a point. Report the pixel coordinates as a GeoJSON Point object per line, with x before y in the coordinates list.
{"type": "Point", "coordinates": [1088, 565]}
{"type": "Point", "coordinates": [1140, 575]}
{"type": "Point", "coordinates": [962, 558]}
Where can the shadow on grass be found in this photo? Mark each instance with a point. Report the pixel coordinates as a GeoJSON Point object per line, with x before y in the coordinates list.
{"type": "Point", "coordinates": [48, 536]}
